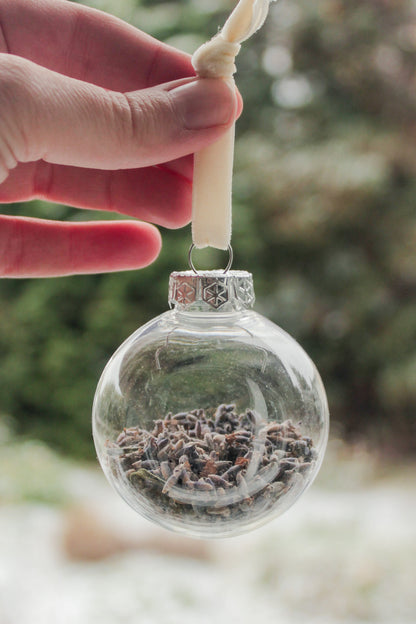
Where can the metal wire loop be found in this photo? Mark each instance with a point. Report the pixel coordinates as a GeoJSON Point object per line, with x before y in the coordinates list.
{"type": "Point", "coordinates": [227, 268]}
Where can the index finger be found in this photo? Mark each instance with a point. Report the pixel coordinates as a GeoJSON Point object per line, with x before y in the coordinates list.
{"type": "Point", "coordinates": [88, 44]}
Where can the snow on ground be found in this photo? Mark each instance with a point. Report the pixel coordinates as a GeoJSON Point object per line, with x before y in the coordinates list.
{"type": "Point", "coordinates": [344, 554]}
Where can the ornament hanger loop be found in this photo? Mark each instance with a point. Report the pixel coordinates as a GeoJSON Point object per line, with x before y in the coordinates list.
{"type": "Point", "coordinates": [227, 268]}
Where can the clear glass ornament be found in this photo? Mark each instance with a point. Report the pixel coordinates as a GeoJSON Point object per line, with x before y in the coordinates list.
{"type": "Point", "coordinates": [210, 420]}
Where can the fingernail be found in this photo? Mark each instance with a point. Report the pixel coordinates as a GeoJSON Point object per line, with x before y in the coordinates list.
{"type": "Point", "coordinates": [204, 103]}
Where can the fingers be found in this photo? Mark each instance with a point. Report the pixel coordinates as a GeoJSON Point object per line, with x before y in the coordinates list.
{"type": "Point", "coordinates": [159, 195]}
{"type": "Point", "coordinates": [84, 43]}
{"type": "Point", "coordinates": [48, 116]}
{"type": "Point", "coordinates": [38, 248]}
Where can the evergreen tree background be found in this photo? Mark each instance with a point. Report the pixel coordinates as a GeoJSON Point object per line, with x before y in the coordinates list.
{"type": "Point", "coordinates": [324, 217]}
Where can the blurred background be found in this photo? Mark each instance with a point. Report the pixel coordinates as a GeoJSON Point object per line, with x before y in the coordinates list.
{"type": "Point", "coordinates": [324, 218]}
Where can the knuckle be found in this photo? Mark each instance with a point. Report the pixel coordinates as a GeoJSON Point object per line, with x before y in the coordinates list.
{"type": "Point", "coordinates": [146, 118]}
{"type": "Point", "coordinates": [15, 77]}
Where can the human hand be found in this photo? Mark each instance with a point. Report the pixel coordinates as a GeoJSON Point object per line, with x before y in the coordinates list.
{"type": "Point", "coordinates": [98, 115]}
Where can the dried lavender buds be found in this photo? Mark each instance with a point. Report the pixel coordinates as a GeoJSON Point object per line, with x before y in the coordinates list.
{"type": "Point", "coordinates": [211, 467]}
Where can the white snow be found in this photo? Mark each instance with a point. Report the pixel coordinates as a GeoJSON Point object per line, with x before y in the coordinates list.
{"type": "Point", "coordinates": [344, 554]}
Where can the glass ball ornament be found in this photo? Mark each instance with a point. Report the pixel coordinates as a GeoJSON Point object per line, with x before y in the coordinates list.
{"type": "Point", "coordinates": [210, 420]}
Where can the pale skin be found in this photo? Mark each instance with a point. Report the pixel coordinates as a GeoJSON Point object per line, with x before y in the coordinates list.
{"type": "Point", "coordinates": [98, 115]}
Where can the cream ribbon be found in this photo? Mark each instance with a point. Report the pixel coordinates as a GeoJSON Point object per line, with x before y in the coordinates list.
{"type": "Point", "coordinates": [213, 165]}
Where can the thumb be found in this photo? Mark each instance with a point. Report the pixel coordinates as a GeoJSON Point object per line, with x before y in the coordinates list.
{"type": "Point", "coordinates": [49, 116]}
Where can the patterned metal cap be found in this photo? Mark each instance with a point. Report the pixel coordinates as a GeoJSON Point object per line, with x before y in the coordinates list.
{"type": "Point", "coordinates": [211, 290]}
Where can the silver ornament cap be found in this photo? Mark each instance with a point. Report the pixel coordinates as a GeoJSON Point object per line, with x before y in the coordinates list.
{"type": "Point", "coordinates": [211, 291]}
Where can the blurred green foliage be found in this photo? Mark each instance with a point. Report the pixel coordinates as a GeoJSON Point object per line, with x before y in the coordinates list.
{"type": "Point", "coordinates": [324, 195]}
